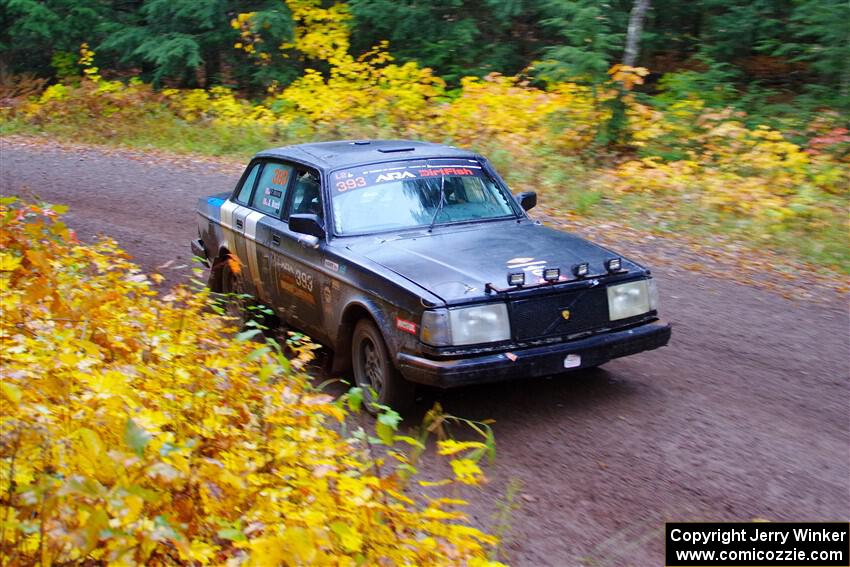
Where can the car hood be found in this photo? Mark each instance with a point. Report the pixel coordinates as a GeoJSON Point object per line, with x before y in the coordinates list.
{"type": "Point", "coordinates": [454, 263]}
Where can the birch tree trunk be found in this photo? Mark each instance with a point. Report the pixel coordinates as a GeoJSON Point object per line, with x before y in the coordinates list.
{"type": "Point", "coordinates": [636, 17]}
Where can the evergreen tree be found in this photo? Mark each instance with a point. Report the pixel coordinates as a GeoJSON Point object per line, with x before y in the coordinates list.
{"type": "Point", "coordinates": [822, 28]}
{"type": "Point", "coordinates": [191, 42]}
{"type": "Point", "coordinates": [589, 36]}
{"type": "Point", "coordinates": [38, 36]}
{"type": "Point", "coordinates": [454, 37]}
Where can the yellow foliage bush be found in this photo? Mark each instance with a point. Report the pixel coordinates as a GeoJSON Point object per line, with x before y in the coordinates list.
{"type": "Point", "coordinates": [220, 106]}
{"type": "Point", "coordinates": [753, 172]}
{"type": "Point", "coordinates": [364, 88]}
{"type": "Point", "coordinates": [137, 430]}
{"type": "Point", "coordinates": [507, 111]}
{"type": "Point", "coordinates": [94, 98]}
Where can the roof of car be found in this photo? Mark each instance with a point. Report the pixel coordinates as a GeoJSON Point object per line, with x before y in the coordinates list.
{"type": "Point", "coordinates": [345, 153]}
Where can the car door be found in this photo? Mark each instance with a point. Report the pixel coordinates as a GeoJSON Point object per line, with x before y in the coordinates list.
{"type": "Point", "coordinates": [265, 208]}
{"type": "Point", "coordinates": [296, 258]}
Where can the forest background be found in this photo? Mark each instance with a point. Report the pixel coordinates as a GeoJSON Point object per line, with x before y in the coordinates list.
{"type": "Point", "coordinates": [720, 120]}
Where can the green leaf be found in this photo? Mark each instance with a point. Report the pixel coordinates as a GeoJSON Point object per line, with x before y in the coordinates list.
{"type": "Point", "coordinates": [96, 523]}
{"type": "Point", "coordinates": [258, 353]}
{"type": "Point", "coordinates": [247, 335]}
{"type": "Point", "coordinates": [391, 418]}
{"type": "Point", "coordinates": [84, 486]}
{"type": "Point", "coordinates": [232, 534]}
{"type": "Point", "coordinates": [385, 432]}
{"type": "Point", "coordinates": [136, 438]}
{"type": "Point", "coordinates": [355, 399]}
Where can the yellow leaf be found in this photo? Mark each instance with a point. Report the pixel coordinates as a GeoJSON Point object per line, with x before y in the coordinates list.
{"type": "Point", "coordinates": [92, 443]}
{"type": "Point", "coordinates": [451, 447]}
{"type": "Point", "coordinates": [443, 482]}
{"type": "Point", "coordinates": [8, 262]}
{"type": "Point", "coordinates": [133, 508]}
{"type": "Point", "coordinates": [11, 392]}
{"type": "Point", "coordinates": [466, 471]}
{"type": "Point", "coordinates": [351, 541]}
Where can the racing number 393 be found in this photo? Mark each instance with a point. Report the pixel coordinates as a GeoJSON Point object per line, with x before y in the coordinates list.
{"type": "Point", "coordinates": [343, 186]}
{"type": "Point", "coordinates": [280, 176]}
{"type": "Point", "coordinates": [304, 280]}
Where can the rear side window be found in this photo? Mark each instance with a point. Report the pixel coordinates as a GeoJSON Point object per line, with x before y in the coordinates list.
{"type": "Point", "coordinates": [245, 191]}
{"type": "Point", "coordinates": [306, 194]}
{"type": "Point", "coordinates": [271, 190]}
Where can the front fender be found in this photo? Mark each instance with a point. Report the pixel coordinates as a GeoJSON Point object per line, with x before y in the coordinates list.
{"type": "Point", "coordinates": [384, 317]}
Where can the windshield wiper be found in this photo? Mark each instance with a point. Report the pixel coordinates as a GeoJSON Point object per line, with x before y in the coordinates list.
{"type": "Point", "coordinates": [440, 204]}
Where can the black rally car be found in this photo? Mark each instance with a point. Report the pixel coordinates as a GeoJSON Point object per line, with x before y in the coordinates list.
{"type": "Point", "coordinates": [414, 263]}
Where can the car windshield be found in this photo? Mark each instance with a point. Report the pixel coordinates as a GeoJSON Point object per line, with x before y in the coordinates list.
{"type": "Point", "coordinates": [407, 194]}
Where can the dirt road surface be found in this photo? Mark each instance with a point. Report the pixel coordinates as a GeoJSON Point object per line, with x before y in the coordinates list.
{"type": "Point", "coordinates": [746, 415]}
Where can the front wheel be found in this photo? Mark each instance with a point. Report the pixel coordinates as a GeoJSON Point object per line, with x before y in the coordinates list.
{"type": "Point", "coordinates": [374, 371]}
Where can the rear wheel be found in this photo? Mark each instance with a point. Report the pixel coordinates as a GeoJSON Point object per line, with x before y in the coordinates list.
{"type": "Point", "coordinates": [374, 371]}
{"type": "Point", "coordinates": [227, 284]}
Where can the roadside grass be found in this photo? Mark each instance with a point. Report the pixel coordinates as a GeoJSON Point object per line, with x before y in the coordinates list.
{"type": "Point", "coordinates": [154, 131]}
{"type": "Point", "coordinates": [823, 246]}
{"type": "Point", "coordinates": [566, 183]}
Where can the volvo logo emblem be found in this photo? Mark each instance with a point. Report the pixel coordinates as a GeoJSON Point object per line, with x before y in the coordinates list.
{"type": "Point", "coordinates": [565, 314]}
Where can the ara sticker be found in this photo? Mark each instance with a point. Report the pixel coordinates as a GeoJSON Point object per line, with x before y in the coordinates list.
{"type": "Point", "coordinates": [394, 176]}
{"type": "Point", "coordinates": [405, 325]}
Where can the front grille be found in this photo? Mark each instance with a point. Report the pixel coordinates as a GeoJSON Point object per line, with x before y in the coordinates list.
{"type": "Point", "coordinates": [540, 317]}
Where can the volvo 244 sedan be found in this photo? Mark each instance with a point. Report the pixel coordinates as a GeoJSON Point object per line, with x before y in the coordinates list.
{"type": "Point", "coordinates": [413, 263]}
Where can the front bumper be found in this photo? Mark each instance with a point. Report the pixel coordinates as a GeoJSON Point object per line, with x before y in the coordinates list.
{"type": "Point", "coordinates": [536, 361]}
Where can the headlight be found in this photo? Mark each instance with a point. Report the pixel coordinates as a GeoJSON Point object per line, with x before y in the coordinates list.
{"type": "Point", "coordinates": [653, 296]}
{"type": "Point", "coordinates": [466, 325]}
{"type": "Point", "coordinates": [631, 299]}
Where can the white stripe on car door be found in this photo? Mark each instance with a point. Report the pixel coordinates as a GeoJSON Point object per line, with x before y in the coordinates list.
{"type": "Point", "coordinates": [251, 247]}
{"type": "Point", "coordinates": [227, 210]}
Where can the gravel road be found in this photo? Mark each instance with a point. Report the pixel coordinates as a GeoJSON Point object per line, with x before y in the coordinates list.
{"type": "Point", "coordinates": [745, 415]}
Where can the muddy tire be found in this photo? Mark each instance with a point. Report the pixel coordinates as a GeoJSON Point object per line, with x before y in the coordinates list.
{"type": "Point", "coordinates": [229, 289]}
{"type": "Point", "coordinates": [374, 371]}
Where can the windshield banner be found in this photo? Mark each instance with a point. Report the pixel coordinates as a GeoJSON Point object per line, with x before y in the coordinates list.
{"type": "Point", "coordinates": [369, 176]}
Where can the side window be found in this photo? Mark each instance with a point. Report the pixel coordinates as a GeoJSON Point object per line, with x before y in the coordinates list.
{"type": "Point", "coordinates": [306, 194]}
{"type": "Point", "coordinates": [271, 190]}
{"type": "Point", "coordinates": [244, 193]}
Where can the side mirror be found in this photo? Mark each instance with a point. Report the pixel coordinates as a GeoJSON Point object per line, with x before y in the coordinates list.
{"type": "Point", "coordinates": [527, 200]}
{"type": "Point", "coordinates": [307, 224]}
